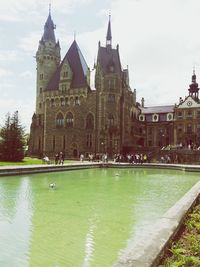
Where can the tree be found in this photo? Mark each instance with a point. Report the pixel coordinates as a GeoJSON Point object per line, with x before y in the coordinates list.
{"type": "Point", "coordinates": [12, 139]}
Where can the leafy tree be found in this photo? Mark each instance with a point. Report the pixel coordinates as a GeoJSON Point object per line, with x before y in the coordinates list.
{"type": "Point", "coordinates": [12, 139]}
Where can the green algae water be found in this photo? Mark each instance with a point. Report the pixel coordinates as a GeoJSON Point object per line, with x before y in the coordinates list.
{"type": "Point", "coordinates": [88, 220]}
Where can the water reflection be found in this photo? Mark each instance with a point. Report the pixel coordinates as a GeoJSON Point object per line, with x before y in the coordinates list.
{"type": "Point", "coordinates": [15, 222]}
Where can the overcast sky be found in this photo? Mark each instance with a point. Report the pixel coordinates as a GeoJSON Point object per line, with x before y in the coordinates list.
{"type": "Point", "coordinates": [159, 40]}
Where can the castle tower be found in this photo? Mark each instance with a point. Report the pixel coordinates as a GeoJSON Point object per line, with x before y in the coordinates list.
{"type": "Point", "coordinates": [47, 59]}
{"type": "Point", "coordinates": [112, 89]}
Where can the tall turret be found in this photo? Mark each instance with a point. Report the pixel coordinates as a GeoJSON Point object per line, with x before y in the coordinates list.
{"type": "Point", "coordinates": [47, 59]}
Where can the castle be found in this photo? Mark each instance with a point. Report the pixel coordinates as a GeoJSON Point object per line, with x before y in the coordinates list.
{"type": "Point", "coordinates": [73, 118]}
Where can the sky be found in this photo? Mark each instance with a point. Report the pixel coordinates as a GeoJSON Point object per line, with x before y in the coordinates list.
{"type": "Point", "coordinates": [159, 41]}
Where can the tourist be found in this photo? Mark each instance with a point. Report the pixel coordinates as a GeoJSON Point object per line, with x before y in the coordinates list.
{"type": "Point", "coordinates": [56, 158]}
{"type": "Point", "coordinates": [46, 159]}
{"type": "Point", "coordinates": [61, 158]}
{"type": "Point", "coordinates": [81, 157]}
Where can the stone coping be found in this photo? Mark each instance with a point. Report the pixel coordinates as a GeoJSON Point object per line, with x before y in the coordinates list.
{"type": "Point", "coordinates": [147, 251]}
{"type": "Point", "coordinates": [31, 169]}
{"type": "Point", "coordinates": [28, 169]}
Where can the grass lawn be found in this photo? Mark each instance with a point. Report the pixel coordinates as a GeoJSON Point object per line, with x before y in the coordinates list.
{"type": "Point", "coordinates": [27, 161]}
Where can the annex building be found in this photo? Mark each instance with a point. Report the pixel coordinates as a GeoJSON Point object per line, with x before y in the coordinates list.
{"type": "Point", "coordinates": [73, 118]}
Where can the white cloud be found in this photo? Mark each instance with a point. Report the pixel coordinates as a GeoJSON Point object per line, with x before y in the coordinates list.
{"type": "Point", "coordinates": [4, 72]}
{"type": "Point", "coordinates": [29, 43]}
{"type": "Point", "coordinates": [27, 74]}
{"type": "Point", "coordinates": [8, 55]}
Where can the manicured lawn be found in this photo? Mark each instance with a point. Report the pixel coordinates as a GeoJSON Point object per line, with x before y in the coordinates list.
{"type": "Point", "coordinates": [28, 161]}
{"type": "Point", "coordinates": [186, 250]}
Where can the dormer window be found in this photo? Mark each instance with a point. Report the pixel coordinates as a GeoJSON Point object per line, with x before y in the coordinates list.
{"type": "Point", "coordinates": [155, 117]}
{"type": "Point", "coordinates": [63, 88]}
{"type": "Point", "coordinates": [65, 74]}
{"type": "Point", "coordinates": [141, 117]}
{"type": "Point", "coordinates": [169, 117]}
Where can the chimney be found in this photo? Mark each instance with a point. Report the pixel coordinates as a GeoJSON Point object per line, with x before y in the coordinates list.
{"type": "Point", "coordinates": [142, 102]}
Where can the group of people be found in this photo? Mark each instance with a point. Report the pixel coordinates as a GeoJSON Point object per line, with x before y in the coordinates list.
{"type": "Point", "coordinates": [59, 158]}
{"type": "Point", "coordinates": [137, 158]}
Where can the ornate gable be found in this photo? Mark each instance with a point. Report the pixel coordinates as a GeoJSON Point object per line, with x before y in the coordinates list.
{"type": "Point", "coordinates": [189, 102]}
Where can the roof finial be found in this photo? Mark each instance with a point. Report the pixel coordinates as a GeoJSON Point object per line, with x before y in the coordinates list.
{"type": "Point", "coordinates": [109, 14]}
{"type": "Point", "coordinates": [74, 35]}
{"type": "Point", "coordinates": [49, 7]}
{"type": "Point", "coordinates": [194, 69]}
{"type": "Point", "coordinates": [109, 36]}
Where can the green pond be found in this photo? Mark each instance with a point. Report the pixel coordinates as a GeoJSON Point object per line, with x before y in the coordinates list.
{"type": "Point", "coordinates": [88, 220]}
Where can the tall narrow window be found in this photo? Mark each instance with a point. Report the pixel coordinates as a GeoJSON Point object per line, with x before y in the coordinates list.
{"type": "Point", "coordinates": [52, 102]}
{"type": "Point", "coordinates": [59, 120]}
{"type": "Point", "coordinates": [39, 143]}
{"type": "Point", "coordinates": [67, 101]}
{"type": "Point", "coordinates": [89, 140]}
{"type": "Point", "coordinates": [41, 76]}
{"type": "Point", "coordinates": [62, 102]}
{"type": "Point", "coordinates": [69, 120]}
{"type": "Point", "coordinates": [65, 74]}
{"type": "Point", "coordinates": [77, 102]}
{"type": "Point", "coordinates": [64, 142]}
{"type": "Point", "coordinates": [110, 120]}
{"type": "Point", "coordinates": [90, 121]}
{"type": "Point", "coordinates": [54, 143]}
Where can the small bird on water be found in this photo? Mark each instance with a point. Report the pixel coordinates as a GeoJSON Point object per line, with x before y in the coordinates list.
{"type": "Point", "coordinates": [52, 185]}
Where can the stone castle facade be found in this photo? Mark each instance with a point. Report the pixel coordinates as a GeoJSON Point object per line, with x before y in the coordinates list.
{"type": "Point", "coordinates": [73, 118]}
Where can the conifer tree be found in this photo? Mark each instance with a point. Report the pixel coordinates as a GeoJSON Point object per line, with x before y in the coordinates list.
{"type": "Point", "coordinates": [12, 139]}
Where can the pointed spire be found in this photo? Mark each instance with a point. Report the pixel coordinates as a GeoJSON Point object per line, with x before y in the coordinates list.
{"type": "Point", "coordinates": [109, 35]}
{"type": "Point", "coordinates": [49, 28]}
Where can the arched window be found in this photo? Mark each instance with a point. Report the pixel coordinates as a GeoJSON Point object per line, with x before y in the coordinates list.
{"type": "Point", "coordinates": [90, 121]}
{"type": "Point", "coordinates": [69, 120]}
{"type": "Point", "coordinates": [59, 120]}
{"type": "Point", "coordinates": [110, 120]}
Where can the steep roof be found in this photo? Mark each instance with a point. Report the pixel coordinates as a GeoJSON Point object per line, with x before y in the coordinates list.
{"type": "Point", "coordinates": [49, 27]}
{"type": "Point", "coordinates": [78, 66]}
{"type": "Point", "coordinates": [107, 57]}
{"type": "Point", "coordinates": [109, 36]}
{"type": "Point", "coordinates": [158, 109]}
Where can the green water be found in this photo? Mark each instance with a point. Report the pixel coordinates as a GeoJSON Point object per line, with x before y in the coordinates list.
{"type": "Point", "coordinates": [88, 220]}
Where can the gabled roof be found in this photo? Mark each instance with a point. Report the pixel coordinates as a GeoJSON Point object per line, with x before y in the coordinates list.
{"type": "Point", "coordinates": [107, 57]}
{"type": "Point", "coordinates": [188, 102]}
{"type": "Point", "coordinates": [158, 109]}
{"type": "Point", "coordinates": [49, 27]}
{"type": "Point", "coordinates": [78, 66]}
